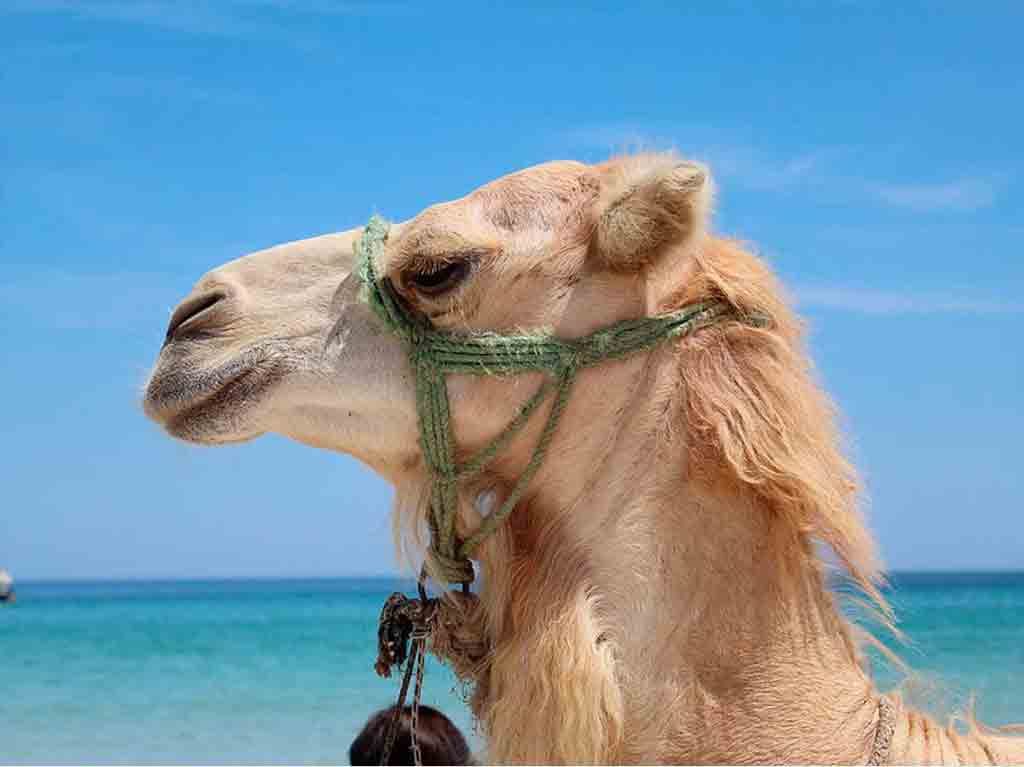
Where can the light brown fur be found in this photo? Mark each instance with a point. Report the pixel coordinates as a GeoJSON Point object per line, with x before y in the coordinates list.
{"type": "Point", "coordinates": [658, 595]}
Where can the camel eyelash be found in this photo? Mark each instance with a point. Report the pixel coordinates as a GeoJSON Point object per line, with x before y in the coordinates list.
{"type": "Point", "coordinates": [437, 277]}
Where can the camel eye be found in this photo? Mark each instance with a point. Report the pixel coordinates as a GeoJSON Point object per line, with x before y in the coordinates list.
{"type": "Point", "coordinates": [438, 279]}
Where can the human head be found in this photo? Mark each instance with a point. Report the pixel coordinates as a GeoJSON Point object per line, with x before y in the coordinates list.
{"type": "Point", "coordinates": [439, 739]}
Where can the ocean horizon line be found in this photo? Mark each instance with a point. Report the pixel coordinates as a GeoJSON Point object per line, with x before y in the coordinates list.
{"type": "Point", "coordinates": [398, 577]}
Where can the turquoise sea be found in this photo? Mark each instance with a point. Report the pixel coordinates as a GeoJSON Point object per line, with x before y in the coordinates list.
{"type": "Point", "coordinates": [275, 671]}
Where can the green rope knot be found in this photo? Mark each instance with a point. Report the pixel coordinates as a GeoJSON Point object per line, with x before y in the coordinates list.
{"type": "Point", "coordinates": [570, 358]}
{"type": "Point", "coordinates": [435, 354]}
{"type": "Point", "coordinates": [450, 569]}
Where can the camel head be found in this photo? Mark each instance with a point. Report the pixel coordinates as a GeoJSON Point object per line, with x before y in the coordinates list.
{"type": "Point", "coordinates": [281, 340]}
{"type": "Point", "coordinates": [662, 557]}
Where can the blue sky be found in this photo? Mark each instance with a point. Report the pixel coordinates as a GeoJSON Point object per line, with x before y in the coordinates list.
{"type": "Point", "coordinates": [871, 151]}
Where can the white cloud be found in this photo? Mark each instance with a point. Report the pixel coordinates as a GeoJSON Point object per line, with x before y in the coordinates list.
{"type": "Point", "coordinates": [191, 18]}
{"type": "Point", "coordinates": [867, 301]}
{"type": "Point", "coordinates": [747, 165]}
{"type": "Point", "coordinates": [253, 19]}
{"type": "Point", "coordinates": [761, 169]}
{"type": "Point", "coordinates": [616, 137]}
{"type": "Point", "coordinates": [964, 194]}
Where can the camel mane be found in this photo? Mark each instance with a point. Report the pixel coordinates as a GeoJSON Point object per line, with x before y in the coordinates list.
{"type": "Point", "coordinates": [753, 407]}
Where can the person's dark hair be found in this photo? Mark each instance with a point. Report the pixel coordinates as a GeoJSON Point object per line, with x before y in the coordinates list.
{"type": "Point", "coordinates": [440, 741]}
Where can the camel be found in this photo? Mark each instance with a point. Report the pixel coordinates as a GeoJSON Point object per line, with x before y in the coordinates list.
{"type": "Point", "coordinates": [658, 593]}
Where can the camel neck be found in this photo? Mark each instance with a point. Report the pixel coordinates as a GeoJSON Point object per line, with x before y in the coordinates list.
{"type": "Point", "coordinates": [738, 636]}
{"type": "Point", "coordinates": [705, 618]}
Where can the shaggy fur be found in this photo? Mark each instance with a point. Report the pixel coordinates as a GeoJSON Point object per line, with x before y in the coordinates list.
{"type": "Point", "coordinates": [658, 595]}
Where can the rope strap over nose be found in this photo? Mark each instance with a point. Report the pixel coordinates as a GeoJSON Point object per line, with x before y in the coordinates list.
{"type": "Point", "coordinates": [434, 354]}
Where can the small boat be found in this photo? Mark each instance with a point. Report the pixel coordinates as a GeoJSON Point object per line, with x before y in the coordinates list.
{"type": "Point", "coordinates": [6, 586]}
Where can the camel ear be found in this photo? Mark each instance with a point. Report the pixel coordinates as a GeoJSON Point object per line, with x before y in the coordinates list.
{"type": "Point", "coordinates": [648, 204]}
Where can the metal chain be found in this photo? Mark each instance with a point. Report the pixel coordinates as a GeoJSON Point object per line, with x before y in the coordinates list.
{"type": "Point", "coordinates": [389, 744]}
{"type": "Point", "coordinates": [420, 655]}
{"type": "Point", "coordinates": [405, 621]}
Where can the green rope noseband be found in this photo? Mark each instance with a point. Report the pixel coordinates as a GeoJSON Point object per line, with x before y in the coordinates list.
{"type": "Point", "coordinates": [435, 353]}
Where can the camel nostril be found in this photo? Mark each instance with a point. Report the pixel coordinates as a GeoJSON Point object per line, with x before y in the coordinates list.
{"type": "Point", "coordinates": [185, 316]}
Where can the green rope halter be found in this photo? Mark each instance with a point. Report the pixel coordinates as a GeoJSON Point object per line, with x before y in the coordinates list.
{"type": "Point", "coordinates": [434, 354]}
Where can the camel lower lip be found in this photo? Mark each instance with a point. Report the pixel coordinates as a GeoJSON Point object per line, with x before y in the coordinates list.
{"type": "Point", "coordinates": [202, 420]}
{"type": "Point", "coordinates": [167, 404]}
{"type": "Point", "coordinates": [183, 398]}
